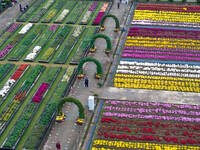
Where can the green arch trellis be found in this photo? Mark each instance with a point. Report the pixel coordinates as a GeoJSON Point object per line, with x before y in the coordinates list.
{"type": "Point", "coordinates": [94, 37]}
{"type": "Point", "coordinates": [99, 66]}
{"type": "Point", "coordinates": [110, 15]}
{"type": "Point", "coordinates": [72, 100]}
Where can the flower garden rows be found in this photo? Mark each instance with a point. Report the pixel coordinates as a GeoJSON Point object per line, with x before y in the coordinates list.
{"type": "Point", "coordinates": [12, 105]}
{"type": "Point", "coordinates": [167, 15]}
{"type": "Point", "coordinates": [154, 126]}
{"type": "Point", "coordinates": [62, 11]}
{"type": "Point", "coordinates": [44, 35]}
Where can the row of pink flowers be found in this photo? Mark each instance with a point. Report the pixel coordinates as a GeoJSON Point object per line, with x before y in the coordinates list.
{"type": "Point", "coordinates": [6, 50]}
{"type": "Point", "coordinates": [156, 117]}
{"type": "Point", "coordinates": [93, 6]}
{"type": "Point", "coordinates": [147, 104]}
{"type": "Point", "coordinates": [161, 53]}
{"type": "Point", "coordinates": [149, 110]}
{"type": "Point", "coordinates": [39, 94]}
{"type": "Point", "coordinates": [156, 124]}
{"type": "Point", "coordinates": [53, 27]}
{"type": "Point", "coordinates": [161, 49]}
{"type": "Point", "coordinates": [160, 57]}
{"type": "Point", "coordinates": [13, 27]}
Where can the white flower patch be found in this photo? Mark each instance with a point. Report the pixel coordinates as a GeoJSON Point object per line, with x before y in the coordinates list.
{"type": "Point", "coordinates": [67, 75]}
{"type": "Point", "coordinates": [86, 17]}
{"type": "Point", "coordinates": [62, 15]}
{"type": "Point", "coordinates": [33, 53]}
{"type": "Point", "coordinates": [25, 28]}
{"type": "Point", "coordinates": [77, 31]}
{"type": "Point", "coordinates": [48, 4]}
{"type": "Point", "coordinates": [7, 86]}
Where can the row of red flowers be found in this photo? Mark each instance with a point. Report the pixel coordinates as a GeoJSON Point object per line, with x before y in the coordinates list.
{"type": "Point", "coordinates": [157, 124]}
{"type": "Point", "coordinates": [148, 138]}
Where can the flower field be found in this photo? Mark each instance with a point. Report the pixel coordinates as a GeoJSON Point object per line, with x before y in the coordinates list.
{"type": "Point", "coordinates": [147, 125]}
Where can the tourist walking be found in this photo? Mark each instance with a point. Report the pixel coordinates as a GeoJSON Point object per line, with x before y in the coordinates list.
{"type": "Point", "coordinates": [118, 5]}
{"type": "Point", "coordinates": [86, 82]}
{"type": "Point", "coordinates": [58, 145]}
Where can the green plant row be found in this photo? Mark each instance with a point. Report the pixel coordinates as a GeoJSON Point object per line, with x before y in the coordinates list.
{"type": "Point", "coordinates": [40, 13]}
{"type": "Point", "coordinates": [4, 70]}
{"type": "Point", "coordinates": [45, 118]}
{"type": "Point", "coordinates": [71, 42]}
{"type": "Point", "coordinates": [32, 9]}
{"type": "Point", "coordinates": [41, 43]}
{"type": "Point", "coordinates": [54, 46]}
{"type": "Point", "coordinates": [77, 12]}
{"type": "Point", "coordinates": [28, 113]}
{"type": "Point", "coordinates": [83, 45]}
{"type": "Point", "coordinates": [52, 13]}
{"type": "Point", "coordinates": [66, 11]}
{"type": "Point", "coordinates": [23, 47]}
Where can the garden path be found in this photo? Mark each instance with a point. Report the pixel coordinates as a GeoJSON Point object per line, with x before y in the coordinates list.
{"type": "Point", "coordinates": [8, 16]}
{"type": "Point", "coordinates": [68, 132]}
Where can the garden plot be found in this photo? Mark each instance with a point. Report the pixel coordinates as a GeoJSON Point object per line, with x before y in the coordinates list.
{"type": "Point", "coordinates": [145, 125]}
{"type": "Point", "coordinates": [167, 15]}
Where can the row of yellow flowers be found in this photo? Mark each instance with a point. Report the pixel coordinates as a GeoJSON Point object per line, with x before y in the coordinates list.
{"type": "Point", "coordinates": [157, 77]}
{"type": "Point", "coordinates": [131, 38]}
{"type": "Point", "coordinates": [167, 46]}
{"type": "Point", "coordinates": [166, 16]}
{"type": "Point", "coordinates": [132, 145]}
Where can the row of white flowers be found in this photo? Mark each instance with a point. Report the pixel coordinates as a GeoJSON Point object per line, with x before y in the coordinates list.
{"type": "Point", "coordinates": [7, 86]}
{"type": "Point", "coordinates": [25, 28]}
{"type": "Point", "coordinates": [77, 31]}
{"type": "Point", "coordinates": [33, 53]}
{"type": "Point", "coordinates": [135, 63]}
{"type": "Point", "coordinates": [86, 17]}
{"type": "Point", "coordinates": [62, 15]}
{"type": "Point", "coordinates": [49, 2]}
{"type": "Point", "coordinates": [68, 74]}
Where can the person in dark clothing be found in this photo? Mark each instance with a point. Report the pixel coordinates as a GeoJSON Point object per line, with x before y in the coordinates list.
{"type": "Point", "coordinates": [118, 5]}
{"type": "Point", "coordinates": [20, 7]}
{"type": "Point", "coordinates": [86, 82]}
{"type": "Point", "coordinates": [120, 1]}
{"type": "Point", "coordinates": [58, 145]}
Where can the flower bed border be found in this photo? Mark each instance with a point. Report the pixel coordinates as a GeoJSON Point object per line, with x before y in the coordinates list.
{"type": "Point", "coordinates": [17, 42]}
{"type": "Point", "coordinates": [57, 62]}
{"type": "Point", "coordinates": [67, 13]}
{"type": "Point", "coordinates": [106, 12]}
{"type": "Point", "coordinates": [22, 133]}
{"type": "Point", "coordinates": [7, 122]}
{"type": "Point", "coordinates": [52, 120]}
{"type": "Point", "coordinates": [10, 59]}
{"type": "Point", "coordinates": [14, 84]}
{"type": "Point", "coordinates": [47, 61]}
{"type": "Point", "coordinates": [85, 52]}
{"type": "Point", "coordinates": [41, 47]}
{"type": "Point", "coordinates": [90, 15]}
{"type": "Point", "coordinates": [69, 22]}
{"type": "Point", "coordinates": [20, 20]}
{"type": "Point", "coordinates": [10, 34]}
{"type": "Point", "coordinates": [7, 72]}
{"type": "Point", "coordinates": [34, 21]}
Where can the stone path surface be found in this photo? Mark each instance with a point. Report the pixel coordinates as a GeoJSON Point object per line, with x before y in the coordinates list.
{"type": "Point", "coordinates": [9, 14]}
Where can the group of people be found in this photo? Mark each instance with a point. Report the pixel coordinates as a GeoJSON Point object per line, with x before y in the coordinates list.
{"type": "Point", "coordinates": [22, 9]}
{"type": "Point", "coordinates": [120, 1]}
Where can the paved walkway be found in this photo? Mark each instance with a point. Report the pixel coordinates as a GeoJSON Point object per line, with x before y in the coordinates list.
{"type": "Point", "coordinates": [67, 132]}
{"type": "Point", "coordinates": [9, 14]}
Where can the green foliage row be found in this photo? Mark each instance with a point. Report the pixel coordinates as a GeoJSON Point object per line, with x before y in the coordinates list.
{"type": "Point", "coordinates": [84, 44]}
{"type": "Point", "coordinates": [39, 14]}
{"type": "Point", "coordinates": [62, 56]}
{"type": "Point", "coordinates": [55, 43]}
{"type": "Point", "coordinates": [26, 116]}
{"type": "Point", "coordinates": [31, 9]}
{"type": "Point", "coordinates": [28, 40]}
{"type": "Point", "coordinates": [60, 4]}
{"type": "Point", "coordinates": [99, 67]}
{"type": "Point", "coordinates": [44, 38]}
{"type": "Point", "coordinates": [108, 41]}
{"type": "Point", "coordinates": [15, 39]}
{"type": "Point", "coordinates": [73, 16]}
{"type": "Point", "coordinates": [4, 69]}
{"type": "Point", "coordinates": [4, 36]}
{"type": "Point", "coordinates": [39, 129]}
{"type": "Point", "coordinates": [107, 16]}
